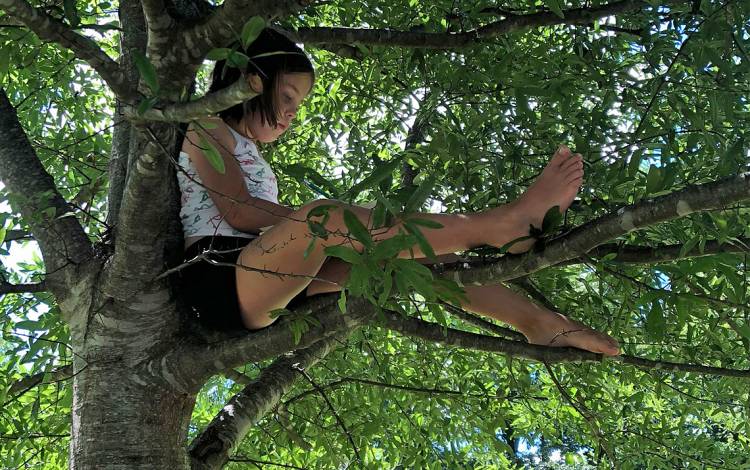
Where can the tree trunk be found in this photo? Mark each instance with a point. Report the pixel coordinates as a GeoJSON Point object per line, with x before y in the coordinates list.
{"type": "Point", "coordinates": [127, 414]}
{"type": "Point", "coordinates": [119, 423]}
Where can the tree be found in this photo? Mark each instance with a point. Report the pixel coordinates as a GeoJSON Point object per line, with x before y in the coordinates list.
{"type": "Point", "coordinates": [455, 104]}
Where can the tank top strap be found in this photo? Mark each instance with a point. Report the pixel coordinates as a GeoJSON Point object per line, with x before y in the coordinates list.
{"type": "Point", "coordinates": [239, 139]}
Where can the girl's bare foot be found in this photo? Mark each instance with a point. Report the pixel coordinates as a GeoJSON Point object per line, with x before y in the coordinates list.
{"type": "Point", "coordinates": [556, 186]}
{"type": "Point", "coordinates": [554, 329]}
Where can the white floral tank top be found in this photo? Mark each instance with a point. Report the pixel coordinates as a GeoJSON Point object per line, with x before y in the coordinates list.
{"type": "Point", "coordinates": [199, 214]}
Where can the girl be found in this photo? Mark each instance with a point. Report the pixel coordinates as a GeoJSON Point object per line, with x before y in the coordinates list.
{"type": "Point", "coordinates": [225, 212]}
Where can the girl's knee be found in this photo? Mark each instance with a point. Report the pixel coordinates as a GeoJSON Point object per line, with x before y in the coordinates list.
{"type": "Point", "coordinates": [320, 208]}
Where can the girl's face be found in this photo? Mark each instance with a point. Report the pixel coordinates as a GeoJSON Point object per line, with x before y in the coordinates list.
{"type": "Point", "coordinates": [292, 89]}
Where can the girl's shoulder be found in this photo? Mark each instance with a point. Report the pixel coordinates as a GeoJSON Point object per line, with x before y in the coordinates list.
{"type": "Point", "coordinates": [213, 129]}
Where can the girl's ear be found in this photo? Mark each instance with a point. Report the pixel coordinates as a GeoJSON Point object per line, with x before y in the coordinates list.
{"type": "Point", "coordinates": [255, 82]}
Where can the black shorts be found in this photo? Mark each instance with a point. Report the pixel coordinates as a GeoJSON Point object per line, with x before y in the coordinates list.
{"type": "Point", "coordinates": [211, 290]}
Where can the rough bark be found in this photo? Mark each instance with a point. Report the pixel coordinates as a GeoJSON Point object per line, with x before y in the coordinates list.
{"type": "Point", "coordinates": [213, 447]}
{"type": "Point", "coordinates": [120, 422]}
{"type": "Point", "coordinates": [134, 38]}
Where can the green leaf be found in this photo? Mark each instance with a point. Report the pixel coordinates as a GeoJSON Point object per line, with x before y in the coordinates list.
{"type": "Point", "coordinates": [322, 210]}
{"type": "Point", "coordinates": [655, 322]}
{"type": "Point", "coordinates": [251, 30]}
{"type": "Point", "coordinates": [391, 247]}
{"type": "Point", "coordinates": [555, 7]}
{"type": "Point", "coordinates": [552, 219]}
{"type": "Point", "coordinates": [309, 248]}
{"type": "Point", "coordinates": [29, 325]}
{"type": "Point", "coordinates": [212, 154]}
{"type": "Point", "coordinates": [744, 330]}
{"type": "Point", "coordinates": [653, 179]}
{"type": "Point", "coordinates": [350, 255]}
{"type": "Point", "coordinates": [732, 159]}
{"type": "Point", "coordinates": [371, 181]}
{"type": "Point", "coordinates": [206, 124]}
{"type": "Point", "coordinates": [420, 195]}
{"type": "Point", "coordinates": [635, 162]}
{"type": "Point", "coordinates": [504, 249]}
{"type": "Point", "coordinates": [356, 229]}
{"type": "Point", "coordinates": [237, 60]}
{"type": "Point", "coordinates": [146, 104]}
{"type": "Point", "coordinates": [342, 301]}
{"type": "Point", "coordinates": [424, 245]}
{"type": "Point", "coordinates": [3, 233]}
{"type": "Point", "coordinates": [317, 229]}
{"type": "Point", "coordinates": [386, 203]}
{"type": "Point", "coordinates": [220, 53]}
{"type": "Point", "coordinates": [147, 71]}
{"type": "Point", "coordinates": [301, 173]}
{"type": "Point", "coordinates": [71, 13]}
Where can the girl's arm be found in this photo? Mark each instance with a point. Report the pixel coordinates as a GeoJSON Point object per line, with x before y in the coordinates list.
{"type": "Point", "coordinates": [228, 191]}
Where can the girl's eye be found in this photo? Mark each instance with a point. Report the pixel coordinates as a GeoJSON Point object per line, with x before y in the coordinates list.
{"type": "Point", "coordinates": [287, 98]}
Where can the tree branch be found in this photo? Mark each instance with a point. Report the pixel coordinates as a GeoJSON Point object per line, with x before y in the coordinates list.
{"type": "Point", "coordinates": [61, 238]}
{"type": "Point", "coordinates": [511, 24]}
{"type": "Point", "coordinates": [133, 40]}
{"type": "Point", "coordinates": [140, 233]}
{"type": "Point", "coordinates": [212, 447]}
{"type": "Point", "coordinates": [709, 196]}
{"type": "Point", "coordinates": [15, 235]}
{"type": "Point", "coordinates": [49, 28]}
{"type": "Point", "coordinates": [633, 254]}
{"type": "Point", "coordinates": [408, 388]}
{"type": "Point", "coordinates": [415, 137]}
{"type": "Point", "coordinates": [27, 383]}
{"type": "Point", "coordinates": [210, 104]}
{"type": "Point", "coordinates": [190, 365]}
{"type": "Point", "coordinates": [435, 333]}
{"type": "Point", "coordinates": [225, 25]}
{"type": "Point", "coordinates": [8, 288]}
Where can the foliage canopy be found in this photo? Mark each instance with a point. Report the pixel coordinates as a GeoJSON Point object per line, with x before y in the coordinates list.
{"type": "Point", "coordinates": [656, 99]}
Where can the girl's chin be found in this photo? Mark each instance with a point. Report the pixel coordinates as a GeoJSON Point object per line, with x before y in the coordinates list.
{"type": "Point", "coordinates": [267, 135]}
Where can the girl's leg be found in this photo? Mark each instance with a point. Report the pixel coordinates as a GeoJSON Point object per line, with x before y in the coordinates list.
{"type": "Point", "coordinates": [538, 324]}
{"type": "Point", "coordinates": [272, 268]}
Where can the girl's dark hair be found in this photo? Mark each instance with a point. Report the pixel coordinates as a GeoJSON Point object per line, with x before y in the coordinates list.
{"type": "Point", "coordinates": [271, 55]}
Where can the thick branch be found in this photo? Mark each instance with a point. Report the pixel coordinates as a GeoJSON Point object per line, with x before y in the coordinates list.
{"type": "Point", "coordinates": [704, 197]}
{"type": "Point", "coordinates": [417, 39]}
{"type": "Point", "coordinates": [450, 337]}
{"type": "Point", "coordinates": [208, 105]}
{"type": "Point", "coordinates": [8, 288]}
{"type": "Point", "coordinates": [142, 224]}
{"type": "Point", "coordinates": [212, 448]}
{"type": "Point", "coordinates": [132, 40]}
{"type": "Point", "coordinates": [225, 24]}
{"type": "Point", "coordinates": [52, 29]}
{"type": "Point", "coordinates": [156, 15]}
{"type": "Point", "coordinates": [61, 238]}
{"type": "Point", "coordinates": [190, 365]}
